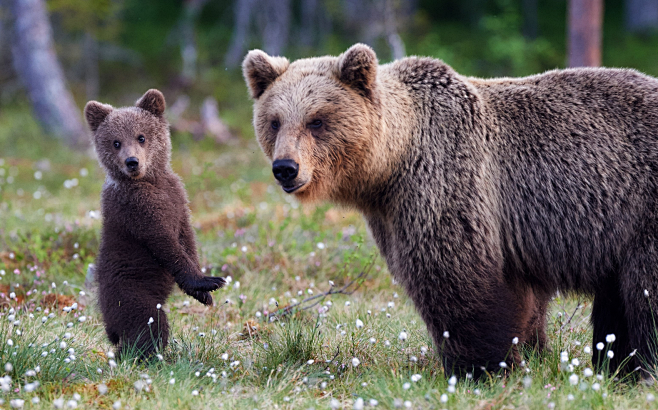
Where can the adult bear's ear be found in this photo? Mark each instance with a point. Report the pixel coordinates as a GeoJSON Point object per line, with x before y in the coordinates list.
{"type": "Point", "coordinates": [260, 70]}
{"type": "Point", "coordinates": [152, 101]}
{"type": "Point", "coordinates": [357, 67]}
{"type": "Point", "coordinates": [95, 113]}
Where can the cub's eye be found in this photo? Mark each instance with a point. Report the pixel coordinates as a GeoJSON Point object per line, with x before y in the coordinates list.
{"type": "Point", "coordinates": [315, 124]}
{"type": "Point", "coordinates": [275, 125]}
{"type": "Point", "coordinates": [117, 144]}
{"type": "Point", "coordinates": [141, 139]}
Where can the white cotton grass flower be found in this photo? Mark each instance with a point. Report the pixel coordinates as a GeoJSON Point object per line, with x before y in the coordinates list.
{"type": "Point", "coordinates": [650, 397]}
{"type": "Point", "coordinates": [102, 389]}
{"type": "Point", "coordinates": [224, 356]}
{"type": "Point", "coordinates": [403, 336]}
{"type": "Point", "coordinates": [373, 402]}
{"type": "Point", "coordinates": [16, 403]}
{"type": "Point", "coordinates": [515, 341]}
{"type": "Point", "coordinates": [172, 381]}
{"type": "Point", "coordinates": [355, 362]}
{"type": "Point", "coordinates": [575, 362]}
{"type": "Point", "coordinates": [502, 365]}
{"type": "Point", "coordinates": [611, 354]}
{"type": "Point", "coordinates": [646, 293]}
{"type": "Point", "coordinates": [406, 386]}
{"type": "Point", "coordinates": [446, 335]}
{"type": "Point", "coordinates": [416, 377]}
{"type": "Point", "coordinates": [310, 362]}
{"type": "Point", "coordinates": [358, 404]}
{"type": "Point", "coordinates": [610, 338]}
{"type": "Point", "coordinates": [573, 379]}
{"type": "Point", "coordinates": [444, 398]}
{"type": "Point", "coordinates": [158, 306]}
{"type": "Point", "coordinates": [596, 387]}
{"type": "Point", "coordinates": [452, 380]}
{"type": "Point", "coordinates": [359, 323]}
{"type": "Point", "coordinates": [588, 372]}
{"type": "Point", "coordinates": [600, 346]}
{"type": "Point", "coordinates": [116, 405]}
{"type": "Point", "coordinates": [564, 357]}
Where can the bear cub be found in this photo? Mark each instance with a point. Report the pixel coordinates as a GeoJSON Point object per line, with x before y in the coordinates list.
{"type": "Point", "coordinates": [147, 242]}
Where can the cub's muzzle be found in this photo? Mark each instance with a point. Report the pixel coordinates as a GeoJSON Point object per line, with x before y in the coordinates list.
{"type": "Point", "coordinates": [132, 163]}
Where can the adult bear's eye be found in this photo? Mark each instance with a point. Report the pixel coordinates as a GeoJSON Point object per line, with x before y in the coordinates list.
{"type": "Point", "coordinates": [117, 144]}
{"type": "Point", "coordinates": [275, 125]}
{"type": "Point", "coordinates": [316, 124]}
{"type": "Point", "coordinates": [141, 139]}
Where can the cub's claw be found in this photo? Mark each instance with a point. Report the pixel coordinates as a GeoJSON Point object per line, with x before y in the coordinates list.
{"type": "Point", "coordinates": [203, 297]}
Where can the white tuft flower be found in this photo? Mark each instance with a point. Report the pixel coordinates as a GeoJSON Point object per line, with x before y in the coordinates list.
{"type": "Point", "coordinates": [650, 397]}
{"type": "Point", "coordinates": [611, 354]}
{"type": "Point", "coordinates": [355, 362]}
{"type": "Point", "coordinates": [58, 403]}
{"type": "Point", "coordinates": [158, 306]}
{"type": "Point", "coordinates": [527, 382]}
{"type": "Point", "coordinates": [575, 362]}
{"type": "Point", "coordinates": [503, 365]}
{"type": "Point", "coordinates": [320, 245]}
{"type": "Point", "coordinates": [587, 350]}
{"type": "Point", "coordinates": [195, 392]}
{"type": "Point", "coordinates": [348, 303]}
{"type": "Point", "coordinates": [102, 389]}
{"type": "Point", "coordinates": [610, 338]}
{"type": "Point", "coordinates": [82, 318]}
{"type": "Point", "coordinates": [596, 387]}
{"type": "Point", "coordinates": [646, 293]}
{"type": "Point", "coordinates": [600, 346]}
{"type": "Point", "coordinates": [17, 403]}
{"type": "Point", "coordinates": [391, 305]}
{"type": "Point", "coordinates": [310, 362]}
{"type": "Point", "coordinates": [172, 381]}
{"type": "Point", "coordinates": [444, 398]}
{"type": "Point", "coordinates": [406, 386]}
{"type": "Point", "coordinates": [515, 341]}
{"type": "Point", "coordinates": [402, 336]}
{"type": "Point", "coordinates": [71, 404]}
{"type": "Point", "coordinates": [225, 356]}
{"type": "Point", "coordinates": [359, 323]}
{"type": "Point", "coordinates": [373, 402]}
{"type": "Point", "coordinates": [116, 405]}
{"type": "Point", "coordinates": [9, 367]}
{"type": "Point", "coordinates": [112, 363]}
{"type": "Point", "coordinates": [334, 404]}
{"type": "Point", "coordinates": [573, 379]}
{"type": "Point", "coordinates": [588, 372]}
{"type": "Point", "coordinates": [416, 377]}
{"type": "Point", "coordinates": [358, 404]}
{"type": "Point", "coordinates": [446, 334]}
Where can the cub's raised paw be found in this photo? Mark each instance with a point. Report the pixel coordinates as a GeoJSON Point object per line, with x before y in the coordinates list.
{"type": "Point", "coordinates": [209, 284]}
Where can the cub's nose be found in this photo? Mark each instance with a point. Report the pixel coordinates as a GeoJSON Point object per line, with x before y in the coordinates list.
{"type": "Point", "coordinates": [285, 170]}
{"type": "Point", "coordinates": [132, 163]}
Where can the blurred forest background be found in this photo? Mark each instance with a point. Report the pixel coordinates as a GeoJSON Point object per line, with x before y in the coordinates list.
{"type": "Point", "coordinates": [113, 50]}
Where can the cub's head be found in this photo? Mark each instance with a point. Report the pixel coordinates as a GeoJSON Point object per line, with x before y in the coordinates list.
{"type": "Point", "coordinates": [315, 119]}
{"type": "Point", "coordinates": [131, 142]}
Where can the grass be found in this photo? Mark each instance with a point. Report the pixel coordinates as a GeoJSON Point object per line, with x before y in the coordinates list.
{"type": "Point", "coordinates": [231, 355]}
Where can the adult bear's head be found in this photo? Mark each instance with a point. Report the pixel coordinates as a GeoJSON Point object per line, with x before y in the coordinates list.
{"type": "Point", "coordinates": [317, 120]}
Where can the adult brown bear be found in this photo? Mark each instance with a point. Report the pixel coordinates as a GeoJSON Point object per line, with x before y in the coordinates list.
{"type": "Point", "coordinates": [484, 196]}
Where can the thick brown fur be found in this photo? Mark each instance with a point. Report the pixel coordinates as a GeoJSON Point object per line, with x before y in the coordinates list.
{"type": "Point", "coordinates": [147, 242]}
{"type": "Point", "coordinates": [484, 196]}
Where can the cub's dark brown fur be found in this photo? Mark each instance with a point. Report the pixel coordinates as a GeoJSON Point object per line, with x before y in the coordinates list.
{"type": "Point", "coordinates": [147, 243]}
{"type": "Point", "coordinates": [484, 196]}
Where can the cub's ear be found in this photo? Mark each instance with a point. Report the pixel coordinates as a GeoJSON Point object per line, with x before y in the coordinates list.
{"type": "Point", "coordinates": [95, 113]}
{"type": "Point", "coordinates": [152, 101]}
{"type": "Point", "coordinates": [357, 67]}
{"type": "Point", "coordinates": [260, 70]}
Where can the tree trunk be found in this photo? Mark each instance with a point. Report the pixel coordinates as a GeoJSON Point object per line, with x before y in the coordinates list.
{"type": "Point", "coordinates": [36, 64]}
{"type": "Point", "coordinates": [189, 54]}
{"type": "Point", "coordinates": [243, 13]}
{"type": "Point", "coordinates": [530, 19]}
{"type": "Point", "coordinates": [585, 31]}
{"type": "Point", "coordinates": [641, 15]}
{"type": "Point", "coordinates": [277, 25]}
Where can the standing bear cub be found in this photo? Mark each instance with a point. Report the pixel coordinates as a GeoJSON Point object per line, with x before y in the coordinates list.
{"type": "Point", "coordinates": [147, 242]}
{"type": "Point", "coordinates": [484, 196]}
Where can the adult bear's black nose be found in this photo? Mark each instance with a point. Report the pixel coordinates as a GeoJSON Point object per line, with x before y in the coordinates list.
{"type": "Point", "coordinates": [132, 163]}
{"type": "Point", "coordinates": [285, 170]}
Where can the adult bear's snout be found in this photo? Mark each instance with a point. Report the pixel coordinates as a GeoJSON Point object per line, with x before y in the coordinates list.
{"type": "Point", "coordinates": [285, 170]}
